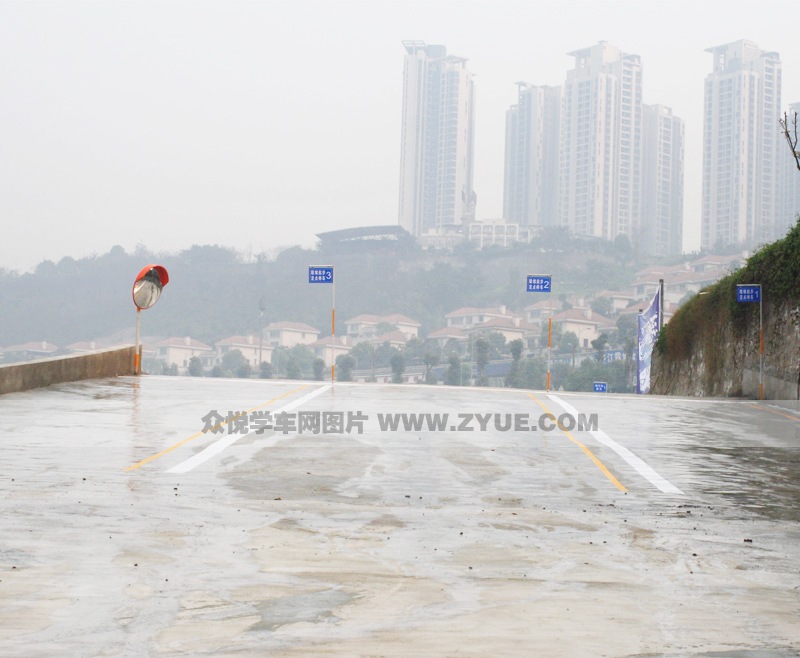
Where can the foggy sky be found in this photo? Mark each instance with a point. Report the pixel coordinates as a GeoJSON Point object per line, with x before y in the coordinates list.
{"type": "Point", "coordinates": [256, 125]}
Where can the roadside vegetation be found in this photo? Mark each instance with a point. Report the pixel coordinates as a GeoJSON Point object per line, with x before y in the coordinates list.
{"type": "Point", "coordinates": [776, 266]}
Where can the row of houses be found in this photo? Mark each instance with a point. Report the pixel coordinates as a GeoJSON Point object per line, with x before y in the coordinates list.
{"type": "Point", "coordinates": [460, 325]}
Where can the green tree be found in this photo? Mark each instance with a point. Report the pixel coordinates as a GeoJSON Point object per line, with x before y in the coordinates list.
{"type": "Point", "coordinates": [466, 374]}
{"type": "Point", "coordinates": [280, 357]}
{"type": "Point", "coordinates": [497, 344]}
{"type": "Point", "coordinates": [383, 355]}
{"type": "Point", "coordinates": [622, 248]}
{"type": "Point", "coordinates": [398, 363]}
{"type": "Point", "coordinates": [265, 370]}
{"type": "Point", "coordinates": [558, 376]}
{"type": "Point", "coordinates": [431, 360]}
{"type": "Point", "coordinates": [482, 348]}
{"type": "Point", "coordinates": [195, 367]}
{"type": "Point", "coordinates": [452, 346]}
{"type": "Point", "coordinates": [293, 368]}
{"type": "Point", "coordinates": [599, 345]}
{"type": "Point", "coordinates": [515, 347]}
{"type": "Point", "coordinates": [344, 367]}
{"type": "Point", "coordinates": [603, 306]}
{"type": "Point", "coordinates": [627, 328]}
{"type": "Point", "coordinates": [233, 362]}
{"type": "Point", "coordinates": [533, 373]}
{"type": "Point", "coordinates": [630, 361]}
{"type": "Point", "coordinates": [514, 378]}
{"type": "Point", "coordinates": [304, 359]}
{"type": "Point", "coordinates": [554, 238]}
{"type": "Point", "coordinates": [453, 375]}
{"type": "Point", "coordinates": [363, 353]}
{"type": "Point", "coordinates": [319, 369]}
{"type": "Point", "coordinates": [568, 342]}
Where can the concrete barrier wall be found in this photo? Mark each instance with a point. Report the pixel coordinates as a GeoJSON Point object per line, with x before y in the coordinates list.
{"type": "Point", "coordinates": [774, 388]}
{"type": "Point", "coordinates": [35, 374]}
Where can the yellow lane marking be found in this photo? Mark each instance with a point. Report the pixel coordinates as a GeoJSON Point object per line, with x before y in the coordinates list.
{"type": "Point", "coordinates": [216, 427]}
{"type": "Point", "coordinates": [772, 411]}
{"type": "Point", "coordinates": [588, 452]}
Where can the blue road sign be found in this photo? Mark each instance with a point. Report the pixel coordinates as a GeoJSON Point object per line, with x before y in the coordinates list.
{"type": "Point", "coordinates": [600, 387]}
{"type": "Point", "coordinates": [539, 283]}
{"type": "Point", "coordinates": [748, 293]}
{"type": "Point", "coordinates": [320, 274]}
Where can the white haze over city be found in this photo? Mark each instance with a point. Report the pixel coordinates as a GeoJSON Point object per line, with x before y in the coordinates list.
{"type": "Point", "coordinates": [256, 125]}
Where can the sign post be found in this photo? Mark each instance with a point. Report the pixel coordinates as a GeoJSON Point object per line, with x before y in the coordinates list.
{"type": "Point", "coordinates": [544, 283]}
{"type": "Point", "coordinates": [146, 290]}
{"type": "Point", "coordinates": [324, 274]}
{"type": "Point", "coordinates": [748, 293]}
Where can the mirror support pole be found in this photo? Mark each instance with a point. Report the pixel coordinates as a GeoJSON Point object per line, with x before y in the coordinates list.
{"type": "Point", "coordinates": [137, 365]}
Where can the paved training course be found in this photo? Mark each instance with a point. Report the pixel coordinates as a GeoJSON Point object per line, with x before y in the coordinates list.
{"type": "Point", "coordinates": [302, 524]}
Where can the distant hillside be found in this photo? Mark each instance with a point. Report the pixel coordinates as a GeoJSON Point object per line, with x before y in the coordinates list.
{"type": "Point", "coordinates": [213, 292]}
{"type": "Point", "coordinates": [711, 345]}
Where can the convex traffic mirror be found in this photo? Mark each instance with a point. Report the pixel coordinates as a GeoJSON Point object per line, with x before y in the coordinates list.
{"type": "Point", "coordinates": [148, 286]}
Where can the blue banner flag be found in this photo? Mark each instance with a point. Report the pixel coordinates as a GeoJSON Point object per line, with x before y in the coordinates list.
{"type": "Point", "coordinates": [649, 321]}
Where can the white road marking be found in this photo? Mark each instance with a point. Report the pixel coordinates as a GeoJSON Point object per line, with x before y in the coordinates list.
{"type": "Point", "coordinates": [218, 446]}
{"type": "Point", "coordinates": [642, 467]}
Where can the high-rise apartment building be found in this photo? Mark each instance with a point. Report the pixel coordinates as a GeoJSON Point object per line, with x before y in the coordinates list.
{"type": "Point", "coordinates": [601, 144]}
{"type": "Point", "coordinates": [741, 170]}
{"type": "Point", "coordinates": [592, 157]}
{"type": "Point", "coordinates": [661, 226]}
{"type": "Point", "coordinates": [530, 195]}
{"type": "Point", "coordinates": [436, 191]}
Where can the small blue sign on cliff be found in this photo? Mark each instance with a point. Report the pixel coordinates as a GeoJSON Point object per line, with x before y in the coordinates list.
{"type": "Point", "coordinates": [748, 293]}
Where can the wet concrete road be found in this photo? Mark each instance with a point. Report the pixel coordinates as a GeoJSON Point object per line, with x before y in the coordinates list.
{"type": "Point", "coordinates": [671, 530]}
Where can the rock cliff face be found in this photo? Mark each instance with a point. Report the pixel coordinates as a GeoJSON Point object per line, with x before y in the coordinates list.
{"type": "Point", "coordinates": [711, 345]}
{"type": "Point", "coordinates": [723, 359]}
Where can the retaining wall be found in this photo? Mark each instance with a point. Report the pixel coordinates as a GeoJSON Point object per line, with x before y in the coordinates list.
{"type": "Point", "coordinates": [774, 388]}
{"type": "Point", "coordinates": [93, 365]}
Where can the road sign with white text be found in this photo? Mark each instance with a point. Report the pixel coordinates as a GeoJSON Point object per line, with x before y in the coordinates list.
{"type": "Point", "coordinates": [748, 293]}
{"type": "Point", "coordinates": [320, 274]}
{"type": "Point", "coordinates": [600, 387]}
{"type": "Point", "coordinates": [539, 283]}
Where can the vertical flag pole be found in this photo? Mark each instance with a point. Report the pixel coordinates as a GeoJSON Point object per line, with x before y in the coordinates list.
{"type": "Point", "coordinates": [549, 334]}
{"type": "Point", "coordinates": [333, 330]}
{"type": "Point", "coordinates": [760, 342]}
{"type": "Point", "coordinates": [638, 349]}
